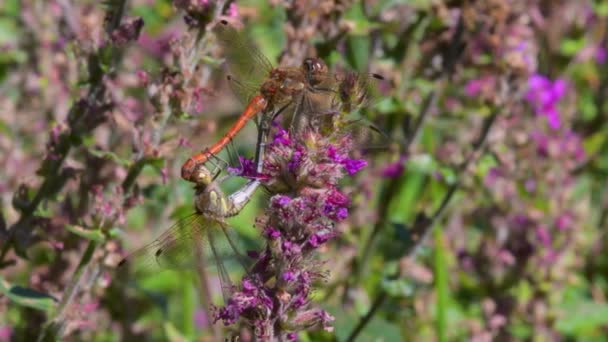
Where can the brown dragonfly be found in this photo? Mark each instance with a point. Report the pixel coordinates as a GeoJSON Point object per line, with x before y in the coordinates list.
{"type": "Point", "coordinates": [308, 91]}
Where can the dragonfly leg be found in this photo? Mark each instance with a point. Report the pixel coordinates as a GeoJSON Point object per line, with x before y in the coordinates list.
{"type": "Point", "coordinates": [297, 115]}
{"type": "Point", "coordinates": [225, 281]}
{"type": "Point", "coordinates": [264, 128]}
{"type": "Point", "coordinates": [241, 258]}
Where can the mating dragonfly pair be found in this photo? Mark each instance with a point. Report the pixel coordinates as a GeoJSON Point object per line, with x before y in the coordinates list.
{"type": "Point", "coordinates": [308, 93]}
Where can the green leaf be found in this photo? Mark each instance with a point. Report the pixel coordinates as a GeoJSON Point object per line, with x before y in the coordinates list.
{"type": "Point", "coordinates": [27, 297]}
{"type": "Point", "coordinates": [8, 32]}
{"type": "Point", "coordinates": [188, 307]}
{"type": "Point", "coordinates": [11, 8]}
{"type": "Point", "coordinates": [403, 204]}
{"type": "Point", "coordinates": [594, 143]}
{"type": "Point", "coordinates": [422, 163]}
{"type": "Point", "coordinates": [378, 329]}
{"type": "Point", "coordinates": [357, 52]}
{"type": "Point", "coordinates": [582, 317]}
{"type": "Point", "coordinates": [587, 105]}
{"type": "Point", "coordinates": [571, 47]}
{"type": "Point", "coordinates": [89, 234]}
{"type": "Point", "coordinates": [601, 8]}
{"type": "Point", "coordinates": [397, 288]}
{"type": "Point", "coordinates": [173, 334]}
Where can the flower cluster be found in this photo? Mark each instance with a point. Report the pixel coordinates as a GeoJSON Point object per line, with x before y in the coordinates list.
{"type": "Point", "coordinates": [303, 171]}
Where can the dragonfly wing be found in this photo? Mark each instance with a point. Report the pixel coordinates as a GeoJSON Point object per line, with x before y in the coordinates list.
{"type": "Point", "coordinates": [244, 90]}
{"type": "Point", "coordinates": [244, 60]}
{"type": "Point", "coordinates": [334, 93]}
{"type": "Point", "coordinates": [367, 136]}
{"type": "Point", "coordinates": [226, 283]}
{"type": "Point", "coordinates": [229, 233]}
{"type": "Point", "coordinates": [182, 246]}
{"type": "Point", "coordinates": [349, 90]}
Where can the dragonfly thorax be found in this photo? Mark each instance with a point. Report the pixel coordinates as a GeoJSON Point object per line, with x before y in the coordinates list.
{"type": "Point", "coordinates": [282, 85]}
{"type": "Point", "coordinates": [210, 201]}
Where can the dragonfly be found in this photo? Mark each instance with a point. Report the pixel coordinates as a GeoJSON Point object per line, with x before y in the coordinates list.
{"type": "Point", "coordinates": [308, 91]}
{"type": "Point", "coordinates": [186, 244]}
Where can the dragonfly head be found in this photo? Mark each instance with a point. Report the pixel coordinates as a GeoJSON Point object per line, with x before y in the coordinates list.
{"type": "Point", "coordinates": [315, 70]}
{"type": "Point", "coordinates": [202, 176]}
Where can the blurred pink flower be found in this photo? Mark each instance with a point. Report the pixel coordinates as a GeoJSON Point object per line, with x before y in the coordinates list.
{"type": "Point", "coordinates": [6, 333]}
{"type": "Point", "coordinates": [564, 221]}
{"type": "Point", "coordinates": [601, 54]}
{"type": "Point", "coordinates": [233, 10]}
{"type": "Point", "coordinates": [201, 320]}
{"type": "Point", "coordinates": [543, 235]}
{"type": "Point", "coordinates": [478, 86]}
{"type": "Point", "coordinates": [395, 169]}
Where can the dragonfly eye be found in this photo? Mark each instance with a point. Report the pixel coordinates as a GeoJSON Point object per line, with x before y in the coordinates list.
{"type": "Point", "coordinates": [314, 69]}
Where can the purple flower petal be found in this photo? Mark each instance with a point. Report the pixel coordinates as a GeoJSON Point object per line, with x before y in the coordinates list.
{"type": "Point", "coordinates": [353, 166]}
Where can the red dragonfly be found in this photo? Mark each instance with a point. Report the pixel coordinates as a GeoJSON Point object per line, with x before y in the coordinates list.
{"type": "Point", "coordinates": [307, 91]}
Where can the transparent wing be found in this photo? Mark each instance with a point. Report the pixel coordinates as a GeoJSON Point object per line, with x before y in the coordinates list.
{"type": "Point", "coordinates": [337, 93]}
{"type": "Point", "coordinates": [192, 242]}
{"type": "Point", "coordinates": [349, 91]}
{"type": "Point", "coordinates": [243, 90]}
{"type": "Point", "coordinates": [226, 283]}
{"type": "Point", "coordinates": [244, 60]}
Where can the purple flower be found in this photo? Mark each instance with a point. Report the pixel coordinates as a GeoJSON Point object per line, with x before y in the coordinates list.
{"type": "Point", "coordinates": [251, 297]}
{"type": "Point", "coordinates": [248, 285]}
{"type": "Point", "coordinates": [289, 276]}
{"type": "Point", "coordinates": [282, 138]}
{"type": "Point", "coordinates": [353, 166]}
{"type": "Point", "coordinates": [142, 77]}
{"type": "Point", "coordinates": [273, 233]}
{"type": "Point", "coordinates": [337, 198]}
{"type": "Point", "coordinates": [544, 96]}
{"type": "Point", "coordinates": [291, 248]}
{"type": "Point", "coordinates": [476, 86]}
{"type": "Point", "coordinates": [300, 300]}
{"type": "Point", "coordinates": [280, 201]}
{"type": "Point", "coordinates": [492, 175]}
{"type": "Point", "coordinates": [564, 221]}
{"type": "Point", "coordinates": [335, 206]}
{"type": "Point", "coordinates": [317, 240]}
{"type": "Point", "coordinates": [394, 170]}
{"type": "Point", "coordinates": [296, 158]}
{"type": "Point", "coordinates": [303, 169]}
{"type": "Point", "coordinates": [334, 155]}
{"type": "Point", "coordinates": [542, 143]}
{"type": "Point", "coordinates": [341, 214]}
{"type": "Point", "coordinates": [127, 31]}
{"type": "Point", "coordinates": [246, 168]}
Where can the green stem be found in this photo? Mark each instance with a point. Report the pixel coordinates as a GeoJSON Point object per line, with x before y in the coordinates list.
{"type": "Point", "coordinates": [53, 330]}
